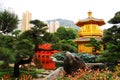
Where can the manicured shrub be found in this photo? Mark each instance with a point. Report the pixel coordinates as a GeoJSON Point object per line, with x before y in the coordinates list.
{"type": "Point", "coordinates": [88, 58]}
{"type": "Point", "coordinates": [59, 56]}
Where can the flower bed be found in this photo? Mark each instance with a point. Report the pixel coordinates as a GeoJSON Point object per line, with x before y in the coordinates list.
{"type": "Point", "coordinates": [93, 75]}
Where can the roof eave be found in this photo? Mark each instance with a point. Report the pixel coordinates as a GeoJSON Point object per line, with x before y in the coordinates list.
{"type": "Point", "coordinates": [82, 23]}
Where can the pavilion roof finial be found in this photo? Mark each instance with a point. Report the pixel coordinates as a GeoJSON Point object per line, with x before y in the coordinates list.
{"type": "Point", "coordinates": [90, 14]}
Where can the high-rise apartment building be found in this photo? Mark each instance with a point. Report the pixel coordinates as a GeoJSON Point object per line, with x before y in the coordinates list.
{"type": "Point", "coordinates": [57, 25]}
{"type": "Point", "coordinates": [53, 26]}
{"type": "Point", "coordinates": [26, 18]}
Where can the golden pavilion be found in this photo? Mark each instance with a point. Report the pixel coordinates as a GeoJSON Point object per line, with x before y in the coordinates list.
{"type": "Point", "coordinates": [89, 28]}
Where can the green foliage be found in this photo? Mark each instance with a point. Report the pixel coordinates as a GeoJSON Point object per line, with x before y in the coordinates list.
{"type": "Point", "coordinates": [59, 56]}
{"type": "Point", "coordinates": [111, 35]}
{"type": "Point", "coordinates": [50, 38]}
{"type": "Point", "coordinates": [6, 50]}
{"type": "Point", "coordinates": [38, 24]}
{"type": "Point", "coordinates": [64, 47]}
{"type": "Point", "coordinates": [1, 63]}
{"type": "Point", "coordinates": [66, 33]}
{"type": "Point", "coordinates": [24, 42]}
{"type": "Point", "coordinates": [88, 58]}
{"type": "Point", "coordinates": [111, 40]}
{"type": "Point", "coordinates": [110, 57]}
{"type": "Point", "coordinates": [11, 53]}
{"type": "Point", "coordinates": [39, 71]}
{"type": "Point", "coordinates": [61, 32]}
{"type": "Point", "coordinates": [69, 41]}
{"type": "Point", "coordinates": [35, 35]}
{"type": "Point", "coordinates": [16, 33]}
{"type": "Point", "coordinates": [31, 36]}
{"type": "Point", "coordinates": [23, 71]}
{"type": "Point", "coordinates": [65, 37]}
{"type": "Point", "coordinates": [24, 48]}
{"type": "Point", "coordinates": [4, 71]}
{"type": "Point", "coordinates": [39, 28]}
{"type": "Point", "coordinates": [7, 55]}
{"type": "Point", "coordinates": [95, 44]}
{"type": "Point", "coordinates": [71, 33]}
{"type": "Point", "coordinates": [115, 19]}
{"type": "Point", "coordinates": [32, 72]}
{"type": "Point", "coordinates": [19, 48]}
{"type": "Point", "coordinates": [8, 21]}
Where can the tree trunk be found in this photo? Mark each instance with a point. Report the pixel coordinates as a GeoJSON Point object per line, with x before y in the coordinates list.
{"type": "Point", "coordinates": [16, 70]}
{"type": "Point", "coordinates": [17, 64]}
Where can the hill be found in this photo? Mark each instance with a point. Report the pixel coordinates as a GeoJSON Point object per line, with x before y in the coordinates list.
{"type": "Point", "coordinates": [64, 22]}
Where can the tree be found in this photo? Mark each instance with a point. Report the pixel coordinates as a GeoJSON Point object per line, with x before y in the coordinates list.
{"type": "Point", "coordinates": [18, 48]}
{"type": "Point", "coordinates": [66, 36]}
{"type": "Point", "coordinates": [69, 42]}
{"type": "Point", "coordinates": [36, 33]}
{"type": "Point", "coordinates": [6, 51]}
{"type": "Point", "coordinates": [112, 41]}
{"type": "Point", "coordinates": [71, 33]}
{"type": "Point", "coordinates": [24, 51]}
{"type": "Point", "coordinates": [14, 49]}
{"type": "Point", "coordinates": [8, 21]}
{"type": "Point", "coordinates": [50, 38]}
{"type": "Point", "coordinates": [115, 19]}
{"type": "Point", "coordinates": [95, 44]}
{"type": "Point", "coordinates": [66, 33]}
{"type": "Point", "coordinates": [27, 44]}
{"type": "Point", "coordinates": [64, 47]}
{"type": "Point", "coordinates": [61, 32]}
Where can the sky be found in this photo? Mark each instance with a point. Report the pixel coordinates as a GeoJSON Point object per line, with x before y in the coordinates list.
{"type": "Point", "coordinates": [65, 9]}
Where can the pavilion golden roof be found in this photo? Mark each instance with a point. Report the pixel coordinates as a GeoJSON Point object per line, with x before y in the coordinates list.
{"type": "Point", "coordinates": [90, 20]}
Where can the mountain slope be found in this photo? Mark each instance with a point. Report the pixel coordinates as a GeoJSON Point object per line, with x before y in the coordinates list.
{"type": "Point", "coordinates": [64, 22]}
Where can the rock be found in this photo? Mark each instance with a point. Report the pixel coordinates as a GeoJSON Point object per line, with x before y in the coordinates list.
{"type": "Point", "coordinates": [72, 63]}
{"type": "Point", "coordinates": [55, 74]}
{"type": "Point", "coordinates": [96, 66]}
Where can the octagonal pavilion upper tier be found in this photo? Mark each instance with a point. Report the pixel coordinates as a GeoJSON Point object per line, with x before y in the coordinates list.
{"type": "Point", "coordinates": [90, 26]}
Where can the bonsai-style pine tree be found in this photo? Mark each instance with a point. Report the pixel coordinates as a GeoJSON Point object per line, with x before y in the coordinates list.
{"type": "Point", "coordinates": [111, 40]}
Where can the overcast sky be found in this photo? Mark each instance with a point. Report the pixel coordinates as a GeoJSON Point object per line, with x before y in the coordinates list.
{"type": "Point", "coordinates": [65, 9]}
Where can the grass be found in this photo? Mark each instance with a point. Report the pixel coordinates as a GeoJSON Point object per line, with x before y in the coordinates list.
{"type": "Point", "coordinates": [39, 71]}
{"type": "Point", "coordinates": [23, 73]}
{"type": "Point", "coordinates": [1, 62]}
